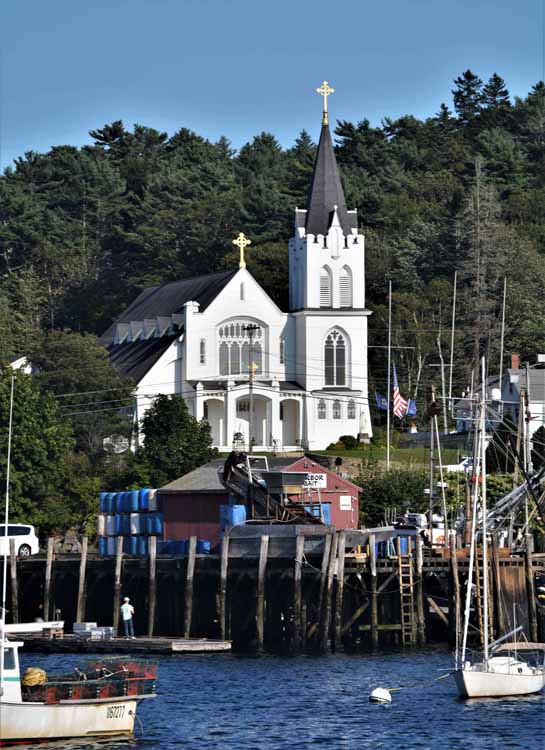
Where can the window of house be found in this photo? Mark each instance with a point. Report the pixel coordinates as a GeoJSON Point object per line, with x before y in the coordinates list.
{"type": "Point", "coordinates": [345, 287]}
{"type": "Point", "coordinates": [202, 352]}
{"type": "Point", "coordinates": [336, 409]}
{"type": "Point", "coordinates": [335, 359]}
{"type": "Point", "coordinates": [351, 411]}
{"type": "Point", "coordinates": [322, 410]}
{"type": "Point", "coordinates": [325, 287]}
{"type": "Point", "coordinates": [282, 351]}
{"type": "Point", "coordinates": [205, 410]}
{"type": "Point", "coordinates": [235, 353]}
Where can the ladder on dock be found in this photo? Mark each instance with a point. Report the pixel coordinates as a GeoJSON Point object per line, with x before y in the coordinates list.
{"type": "Point", "coordinates": [479, 596]}
{"type": "Point", "coordinates": [406, 595]}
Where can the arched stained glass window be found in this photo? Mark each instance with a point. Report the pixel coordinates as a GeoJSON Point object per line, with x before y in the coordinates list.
{"type": "Point", "coordinates": [351, 411]}
{"type": "Point", "coordinates": [235, 359]}
{"type": "Point", "coordinates": [224, 359]}
{"type": "Point", "coordinates": [335, 359]}
{"type": "Point", "coordinates": [336, 409]}
{"type": "Point", "coordinates": [322, 409]}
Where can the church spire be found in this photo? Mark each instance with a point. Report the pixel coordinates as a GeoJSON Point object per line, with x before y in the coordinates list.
{"type": "Point", "coordinates": [326, 191]}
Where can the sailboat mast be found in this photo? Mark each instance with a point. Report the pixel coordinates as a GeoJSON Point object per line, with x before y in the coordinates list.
{"type": "Point", "coordinates": [6, 519]}
{"type": "Point", "coordinates": [483, 504]}
{"type": "Point", "coordinates": [475, 471]}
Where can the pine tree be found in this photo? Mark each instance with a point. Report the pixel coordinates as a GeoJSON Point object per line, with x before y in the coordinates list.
{"type": "Point", "coordinates": [468, 96]}
{"type": "Point", "coordinates": [495, 94]}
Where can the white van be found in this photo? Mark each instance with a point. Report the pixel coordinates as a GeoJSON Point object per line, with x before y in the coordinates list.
{"type": "Point", "coordinates": [26, 541]}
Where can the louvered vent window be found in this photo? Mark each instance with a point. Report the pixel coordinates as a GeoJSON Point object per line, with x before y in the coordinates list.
{"type": "Point", "coordinates": [325, 288]}
{"type": "Point", "coordinates": [345, 287]}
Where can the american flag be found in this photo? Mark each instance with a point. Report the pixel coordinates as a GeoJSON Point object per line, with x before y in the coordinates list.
{"type": "Point", "coordinates": [400, 404]}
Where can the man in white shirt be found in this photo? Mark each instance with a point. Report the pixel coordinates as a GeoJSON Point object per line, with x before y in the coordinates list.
{"type": "Point", "coordinates": [127, 611]}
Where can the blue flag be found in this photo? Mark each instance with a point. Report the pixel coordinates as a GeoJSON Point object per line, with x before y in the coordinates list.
{"type": "Point", "coordinates": [382, 401]}
{"type": "Point", "coordinates": [411, 408]}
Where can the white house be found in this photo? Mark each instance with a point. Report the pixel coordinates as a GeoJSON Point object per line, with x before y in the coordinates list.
{"type": "Point", "coordinates": [199, 337]}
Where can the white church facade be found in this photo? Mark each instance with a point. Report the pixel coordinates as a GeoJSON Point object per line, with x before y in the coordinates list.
{"type": "Point", "coordinates": [278, 380]}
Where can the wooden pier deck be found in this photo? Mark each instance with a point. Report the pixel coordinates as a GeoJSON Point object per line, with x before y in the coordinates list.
{"type": "Point", "coordinates": [151, 646]}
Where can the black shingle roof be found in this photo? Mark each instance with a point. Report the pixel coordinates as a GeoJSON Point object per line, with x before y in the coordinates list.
{"type": "Point", "coordinates": [135, 358]}
{"type": "Point", "coordinates": [326, 190]}
{"type": "Point", "coordinates": [169, 299]}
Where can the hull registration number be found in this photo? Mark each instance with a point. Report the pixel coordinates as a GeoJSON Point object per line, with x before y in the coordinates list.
{"type": "Point", "coordinates": [115, 712]}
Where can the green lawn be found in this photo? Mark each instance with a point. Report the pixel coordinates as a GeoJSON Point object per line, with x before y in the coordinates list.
{"type": "Point", "coordinates": [408, 456]}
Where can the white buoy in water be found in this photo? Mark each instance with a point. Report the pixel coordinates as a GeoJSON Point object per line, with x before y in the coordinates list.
{"type": "Point", "coordinates": [380, 695]}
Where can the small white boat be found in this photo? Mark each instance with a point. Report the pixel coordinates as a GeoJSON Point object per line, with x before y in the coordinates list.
{"type": "Point", "coordinates": [502, 669]}
{"type": "Point", "coordinates": [81, 705]}
{"type": "Point", "coordinates": [507, 672]}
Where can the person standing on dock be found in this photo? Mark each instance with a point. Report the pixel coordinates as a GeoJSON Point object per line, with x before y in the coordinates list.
{"type": "Point", "coordinates": [127, 611]}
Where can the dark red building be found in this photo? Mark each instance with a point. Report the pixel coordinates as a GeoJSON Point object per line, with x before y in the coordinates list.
{"type": "Point", "coordinates": [191, 504]}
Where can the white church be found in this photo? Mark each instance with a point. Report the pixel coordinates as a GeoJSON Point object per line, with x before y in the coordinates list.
{"type": "Point", "coordinates": [276, 380]}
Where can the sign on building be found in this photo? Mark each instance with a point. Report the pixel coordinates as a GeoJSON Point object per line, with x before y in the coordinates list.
{"type": "Point", "coordinates": [316, 480]}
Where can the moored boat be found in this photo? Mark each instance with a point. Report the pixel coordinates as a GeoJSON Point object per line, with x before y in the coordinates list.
{"type": "Point", "coordinates": [99, 701]}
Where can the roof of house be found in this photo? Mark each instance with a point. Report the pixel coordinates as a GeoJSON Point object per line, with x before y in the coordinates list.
{"type": "Point", "coordinates": [326, 190]}
{"type": "Point", "coordinates": [206, 477]}
{"type": "Point", "coordinates": [169, 299]}
{"type": "Point", "coordinates": [136, 358]}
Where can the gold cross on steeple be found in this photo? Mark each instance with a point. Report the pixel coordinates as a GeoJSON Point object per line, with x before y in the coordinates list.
{"type": "Point", "coordinates": [325, 90]}
{"type": "Point", "coordinates": [242, 242]}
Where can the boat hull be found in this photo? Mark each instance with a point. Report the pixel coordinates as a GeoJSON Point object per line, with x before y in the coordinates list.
{"type": "Point", "coordinates": [38, 722]}
{"type": "Point", "coordinates": [481, 684]}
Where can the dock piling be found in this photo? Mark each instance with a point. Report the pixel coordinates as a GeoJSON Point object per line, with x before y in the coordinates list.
{"type": "Point", "coordinates": [326, 615]}
{"type": "Point", "coordinates": [48, 572]}
{"type": "Point", "coordinates": [419, 591]}
{"type": "Point", "coordinates": [152, 584]}
{"type": "Point", "coordinates": [117, 582]}
{"type": "Point", "coordinates": [188, 609]}
{"type": "Point", "coordinates": [339, 592]}
{"type": "Point", "coordinates": [298, 591]}
{"type": "Point", "coordinates": [260, 596]}
{"type": "Point", "coordinates": [14, 586]}
{"type": "Point", "coordinates": [222, 602]}
{"type": "Point", "coordinates": [374, 598]}
{"type": "Point", "coordinates": [80, 608]}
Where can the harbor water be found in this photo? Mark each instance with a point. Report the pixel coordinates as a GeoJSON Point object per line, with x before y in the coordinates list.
{"type": "Point", "coordinates": [225, 702]}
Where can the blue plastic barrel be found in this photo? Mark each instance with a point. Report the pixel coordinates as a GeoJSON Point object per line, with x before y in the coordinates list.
{"type": "Point", "coordinates": [404, 545]}
{"type": "Point", "coordinates": [203, 546]}
{"type": "Point", "coordinates": [134, 545]}
{"type": "Point", "coordinates": [102, 504]}
{"type": "Point", "coordinates": [152, 501]}
{"type": "Point", "coordinates": [180, 547]}
{"type": "Point", "coordinates": [326, 513]}
{"type": "Point", "coordinates": [143, 499]}
{"type": "Point", "coordinates": [127, 545]}
{"type": "Point", "coordinates": [117, 525]}
{"type": "Point", "coordinates": [133, 501]}
{"type": "Point", "coordinates": [142, 546]}
{"type": "Point", "coordinates": [103, 546]}
{"type": "Point", "coordinates": [111, 545]}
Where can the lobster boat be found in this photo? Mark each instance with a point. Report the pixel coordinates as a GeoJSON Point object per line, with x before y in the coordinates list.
{"type": "Point", "coordinates": [98, 701]}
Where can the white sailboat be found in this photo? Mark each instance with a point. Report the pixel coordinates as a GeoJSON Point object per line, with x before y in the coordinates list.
{"type": "Point", "coordinates": [98, 702]}
{"type": "Point", "coordinates": [502, 669]}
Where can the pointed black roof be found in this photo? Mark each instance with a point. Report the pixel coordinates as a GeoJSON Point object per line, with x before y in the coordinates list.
{"type": "Point", "coordinates": [326, 190]}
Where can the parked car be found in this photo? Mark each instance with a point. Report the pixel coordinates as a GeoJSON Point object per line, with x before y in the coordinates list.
{"type": "Point", "coordinates": [26, 541]}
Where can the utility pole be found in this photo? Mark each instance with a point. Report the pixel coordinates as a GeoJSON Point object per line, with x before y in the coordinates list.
{"type": "Point", "coordinates": [388, 396]}
{"type": "Point", "coordinates": [432, 462]}
{"type": "Point", "coordinates": [502, 337]}
{"type": "Point", "coordinates": [250, 330]}
{"type": "Point", "coordinates": [452, 342]}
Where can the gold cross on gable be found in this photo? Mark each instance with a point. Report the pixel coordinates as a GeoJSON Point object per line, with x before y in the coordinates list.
{"type": "Point", "coordinates": [242, 242]}
{"type": "Point", "coordinates": [325, 90]}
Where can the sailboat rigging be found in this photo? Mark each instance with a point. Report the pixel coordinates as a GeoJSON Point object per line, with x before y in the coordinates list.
{"type": "Point", "coordinates": [501, 669]}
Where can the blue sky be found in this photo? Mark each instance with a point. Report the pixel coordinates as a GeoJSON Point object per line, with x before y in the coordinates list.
{"type": "Point", "coordinates": [237, 67]}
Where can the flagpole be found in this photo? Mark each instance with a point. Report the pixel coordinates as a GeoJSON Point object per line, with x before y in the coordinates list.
{"type": "Point", "coordinates": [388, 378]}
{"type": "Point", "coordinates": [452, 342]}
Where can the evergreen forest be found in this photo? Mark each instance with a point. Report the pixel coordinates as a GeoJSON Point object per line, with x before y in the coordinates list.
{"type": "Point", "coordinates": [83, 230]}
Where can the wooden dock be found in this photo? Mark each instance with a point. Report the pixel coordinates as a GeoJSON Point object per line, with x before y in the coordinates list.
{"type": "Point", "coordinates": [151, 646]}
{"type": "Point", "coordinates": [277, 592]}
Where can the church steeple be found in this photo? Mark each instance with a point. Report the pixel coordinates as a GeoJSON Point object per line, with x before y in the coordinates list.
{"type": "Point", "coordinates": [326, 191]}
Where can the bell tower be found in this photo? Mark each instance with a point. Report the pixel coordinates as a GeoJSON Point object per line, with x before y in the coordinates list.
{"type": "Point", "coordinates": [327, 292]}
